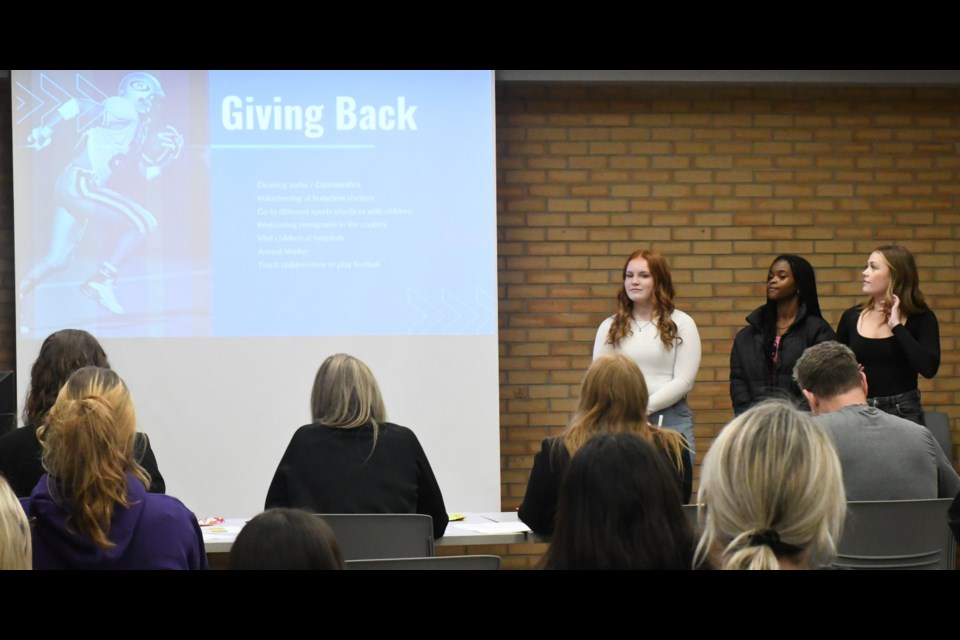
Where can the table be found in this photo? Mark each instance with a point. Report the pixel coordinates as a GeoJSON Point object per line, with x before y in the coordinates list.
{"type": "Point", "coordinates": [482, 528]}
{"type": "Point", "coordinates": [476, 529]}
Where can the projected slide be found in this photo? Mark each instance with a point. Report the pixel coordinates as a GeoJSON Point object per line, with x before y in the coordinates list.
{"type": "Point", "coordinates": [255, 203]}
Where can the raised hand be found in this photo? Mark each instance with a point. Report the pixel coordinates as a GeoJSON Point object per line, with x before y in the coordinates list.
{"type": "Point", "coordinates": [893, 319]}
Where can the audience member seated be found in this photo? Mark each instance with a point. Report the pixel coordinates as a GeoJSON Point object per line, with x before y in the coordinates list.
{"type": "Point", "coordinates": [61, 354]}
{"type": "Point", "coordinates": [15, 548]}
{"type": "Point", "coordinates": [286, 539]}
{"type": "Point", "coordinates": [771, 493]}
{"type": "Point", "coordinates": [620, 508]}
{"type": "Point", "coordinates": [92, 510]}
{"type": "Point", "coordinates": [350, 460]}
{"type": "Point", "coordinates": [884, 457]}
{"type": "Point", "coordinates": [613, 399]}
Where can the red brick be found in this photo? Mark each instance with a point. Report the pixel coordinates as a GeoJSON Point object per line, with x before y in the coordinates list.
{"type": "Point", "coordinates": [830, 187]}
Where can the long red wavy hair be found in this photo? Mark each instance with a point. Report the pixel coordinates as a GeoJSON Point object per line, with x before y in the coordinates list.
{"type": "Point", "coordinates": [663, 307]}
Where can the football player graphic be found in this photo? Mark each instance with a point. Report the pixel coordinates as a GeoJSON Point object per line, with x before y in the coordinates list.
{"type": "Point", "coordinates": [122, 140]}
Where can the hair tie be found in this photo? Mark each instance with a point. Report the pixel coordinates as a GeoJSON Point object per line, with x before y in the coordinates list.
{"type": "Point", "coordinates": [768, 537]}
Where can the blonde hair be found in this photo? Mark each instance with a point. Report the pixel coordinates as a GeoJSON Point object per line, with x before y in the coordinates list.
{"type": "Point", "coordinates": [88, 444]}
{"type": "Point", "coordinates": [16, 551]}
{"type": "Point", "coordinates": [771, 485]}
{"type": "Point", "coordinates": [346, 395]}
{"type": "Point", "coordinates": [613, 399]}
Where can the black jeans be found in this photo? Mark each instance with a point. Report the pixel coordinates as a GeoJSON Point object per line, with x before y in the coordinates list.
{"type": "Point", "coordinates": [904, 405]}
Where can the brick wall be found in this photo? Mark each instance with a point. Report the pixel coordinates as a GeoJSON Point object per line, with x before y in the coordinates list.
{"type": "Point", "coordinates": [719, 180]}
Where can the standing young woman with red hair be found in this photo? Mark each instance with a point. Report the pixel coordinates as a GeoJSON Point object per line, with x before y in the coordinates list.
{"type": "Point", "coordinates": [661, 339]}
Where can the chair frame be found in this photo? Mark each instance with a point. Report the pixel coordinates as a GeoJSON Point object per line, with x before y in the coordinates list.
{"type": "Point", "coordinates": [364, 536]}
{"type": "Point", "coordinates": [436, 563]}
{"type": "Point", "coordinates": [897, 534]}
{"type": "Point", "coordinates": [938, 423]}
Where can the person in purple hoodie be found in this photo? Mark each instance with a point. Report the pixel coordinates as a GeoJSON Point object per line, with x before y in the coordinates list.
{"type": "Point", "coordinates": [91, 510]}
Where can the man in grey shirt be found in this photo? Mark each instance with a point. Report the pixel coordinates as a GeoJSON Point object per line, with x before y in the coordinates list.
{"type": "Point", "coordinates": [883, 457]}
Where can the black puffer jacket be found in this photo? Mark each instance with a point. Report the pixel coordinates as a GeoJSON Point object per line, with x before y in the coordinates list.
{"type": "Point", "coordinates": [750, 377]}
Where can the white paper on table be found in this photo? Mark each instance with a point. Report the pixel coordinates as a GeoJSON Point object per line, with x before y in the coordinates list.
{"type": "Point", "coordinates": [506, 516]}
{"type": "Point", "coordinates": [493, 527]}
{"type": "Point", "coordinates": [217, 532]}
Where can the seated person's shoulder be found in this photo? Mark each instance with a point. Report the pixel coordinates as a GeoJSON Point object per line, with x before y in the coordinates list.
{"type": "Point", "coordinates": [392, 433]}
{"type": "Point", "coordinates": [902, 424]}
{"type": "Point", "coordinates": [394, 430]}
{"type": "Point", "coordinates": [17, 438]}
{"type": "Point", "coordinates": [167, 509]}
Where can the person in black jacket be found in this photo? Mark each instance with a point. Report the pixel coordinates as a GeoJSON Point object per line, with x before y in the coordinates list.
{"type": "Point", "coordinates": [777, 333]}
{"type": "Point", "coordinates": [620, 508]}
{"type": "Point", "coordinates": [613, 399]}
{"type": "Point", "coordinates": [62, 353]}
{"type": "Point", "coordinates": [350, 459]}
